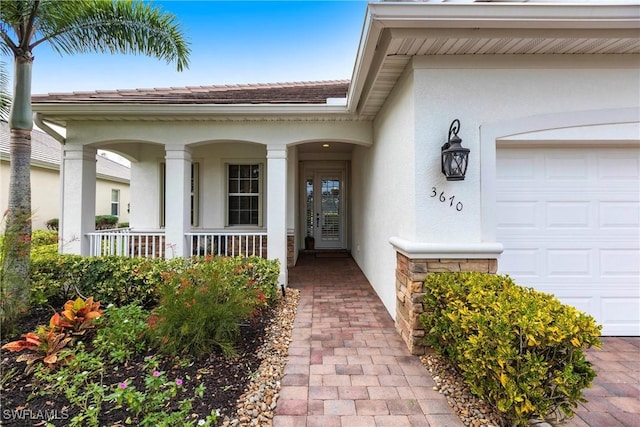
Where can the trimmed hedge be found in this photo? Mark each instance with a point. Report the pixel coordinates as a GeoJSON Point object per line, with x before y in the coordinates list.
{"type": "Point", "coordinates": [114, 280]}
{"type": "Point", "coordinates": [56, 278]}
{"type": "Point", "coordinates": [103, 222]}
{"type": "Point", "coordinates": [518, 349]}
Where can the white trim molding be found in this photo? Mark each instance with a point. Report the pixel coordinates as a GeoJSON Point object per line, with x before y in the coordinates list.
{"type": "Point", "coordinates": [519, 132]}
{"type": "Point", "coordinates": [423, 250]}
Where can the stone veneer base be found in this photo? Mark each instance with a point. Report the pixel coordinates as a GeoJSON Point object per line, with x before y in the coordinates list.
{"type": "Point", "coordinates": [410, 275]}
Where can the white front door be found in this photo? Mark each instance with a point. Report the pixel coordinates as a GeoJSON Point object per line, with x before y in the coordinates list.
{"type": "Point", "coordinates": [325, 209]}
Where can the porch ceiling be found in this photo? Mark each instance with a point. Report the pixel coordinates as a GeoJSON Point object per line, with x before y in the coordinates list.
{"type": "Point", "coordinates": [395, 33]}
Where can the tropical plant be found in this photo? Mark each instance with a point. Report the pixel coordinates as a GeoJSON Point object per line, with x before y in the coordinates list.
{"type": "Point", "coordinates": [49, 343]}
{"type": "Point", "coordinates": [5, 98]}
{"type": "Point", "coordinates": [108, 26]}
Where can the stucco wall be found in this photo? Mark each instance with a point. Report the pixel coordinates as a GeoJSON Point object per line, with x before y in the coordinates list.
{"type": "Point", "coordinates": [103, 198]}
{"type": "Point", "coordinates": [383, 188]}
{"type": "Point", "coordinates": [480, 91]}
{"type": "Point", "coordinates": [45, 195]}
{"type": "Point", "coordinates": [397, 177]}
{"type": "Point", "coordinates": [45, 200]}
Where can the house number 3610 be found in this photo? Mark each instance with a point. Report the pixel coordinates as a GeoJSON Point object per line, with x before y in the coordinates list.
{"type": "Point", "coordinates": [443, 198]}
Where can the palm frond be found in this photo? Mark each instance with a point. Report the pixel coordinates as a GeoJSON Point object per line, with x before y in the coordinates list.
{"type": "Point", "coordinates": [5, 97]}
{"type": "Point", "coordinates": [111, 26]}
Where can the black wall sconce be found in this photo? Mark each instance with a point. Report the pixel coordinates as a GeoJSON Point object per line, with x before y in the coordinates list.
{"type": "Point", "coordinates": [454, 156]}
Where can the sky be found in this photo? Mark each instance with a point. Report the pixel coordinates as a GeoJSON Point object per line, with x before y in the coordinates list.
{"type": "Point", "coordinates": [232, 42]}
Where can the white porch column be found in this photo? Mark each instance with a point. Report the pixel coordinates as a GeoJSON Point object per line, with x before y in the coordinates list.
{"type": "Point", "coordinates": [78, 199]}
{"type": "Point", "coordinates": [178, 196]}
{"type": "Point", "coordinates": [277, 207]}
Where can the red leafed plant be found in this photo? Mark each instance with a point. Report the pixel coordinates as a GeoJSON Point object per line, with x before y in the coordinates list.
{"type": "Point", "coordinates": [79, 315]}
{"type": "Point", "coordinates": [48, 342]}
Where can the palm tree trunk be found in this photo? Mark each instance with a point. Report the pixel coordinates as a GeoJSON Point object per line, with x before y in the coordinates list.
{"type": "Point", "coordinates": [17, 240]}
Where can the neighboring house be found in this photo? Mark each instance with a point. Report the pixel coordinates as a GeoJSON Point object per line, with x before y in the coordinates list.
{"type": "Point", "coordinates": [112, 180]}
{"type": "Point", "coordinates": [548, 99]}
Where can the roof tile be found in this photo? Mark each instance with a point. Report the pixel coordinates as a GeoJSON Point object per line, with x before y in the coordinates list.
{"type": "Point", "coordinates": [255, 93]}
{"type": "Point", "coordinates": [46, 150]}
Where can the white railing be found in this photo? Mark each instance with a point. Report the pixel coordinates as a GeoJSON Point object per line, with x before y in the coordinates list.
{"type": "Point", "coordinates": [128, 243]}
{"type": "Point", "coordinates": [227, 243]}
{"type": "Point", "coordinates": [152, 244]}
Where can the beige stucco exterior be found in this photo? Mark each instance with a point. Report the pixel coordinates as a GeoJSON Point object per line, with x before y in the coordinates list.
{"type": "Point", "coordinates": [45, 194]}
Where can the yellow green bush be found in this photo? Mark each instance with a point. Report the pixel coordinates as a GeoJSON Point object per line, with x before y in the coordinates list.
{"type": "Point", "coordinates": [518, 349]}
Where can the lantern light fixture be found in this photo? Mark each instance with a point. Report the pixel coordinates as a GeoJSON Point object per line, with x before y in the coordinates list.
{"type": "Point", "coordinates": [454, 156]}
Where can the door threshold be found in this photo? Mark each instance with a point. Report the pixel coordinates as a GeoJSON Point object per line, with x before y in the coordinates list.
{"type": "Point", "coordinates": [328, 253]}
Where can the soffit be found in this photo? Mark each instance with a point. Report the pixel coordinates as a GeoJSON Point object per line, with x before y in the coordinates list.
{"type": "Point", "coordinates": [396, 33]}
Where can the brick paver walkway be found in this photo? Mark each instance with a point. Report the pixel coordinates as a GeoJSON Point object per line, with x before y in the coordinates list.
{"type": "Point", "coordinates": [348, 366]}
{"type": "Point", "coordinates": [614, 396]}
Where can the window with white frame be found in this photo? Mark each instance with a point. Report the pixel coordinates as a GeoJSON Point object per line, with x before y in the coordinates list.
{"type": "Point", "coordinates": [244, 196]}
{"type": "Point", "coordinates": [115, 202]}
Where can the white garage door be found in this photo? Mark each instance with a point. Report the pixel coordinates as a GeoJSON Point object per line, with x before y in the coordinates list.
{"type": "Point", "coordinates": [569, 220]}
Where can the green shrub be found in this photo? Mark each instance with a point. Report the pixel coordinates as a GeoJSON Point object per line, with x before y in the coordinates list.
{"type": "Point", "coordinates": [43, 242]}
{"type": "Point", "coordinates": [225, 290]}
{"type": "Point", "coordinates": [120, 281]}
{"type": "Point", "coordinates": [114, 280]}
{"type": "Point", "coordinates": [518, 349]}
{"type": "Point", "coordinates": [43, 238]}
{"type": "Point", "coordinates": [104, 222]}
{"type": "Point", "coordinates": [254, 273]}
{"type": "Point", "coordinates": [54, 278]}
{"type": "Point", "coordinates": [121, 332]}
{"type": "Point", "coordinates": [53, 224]}
{"type": "Point", "coordinates": [201, 306]}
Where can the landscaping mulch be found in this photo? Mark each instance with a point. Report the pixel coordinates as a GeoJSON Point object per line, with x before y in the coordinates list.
{"type": "Point", "coordinates": [226, 379]}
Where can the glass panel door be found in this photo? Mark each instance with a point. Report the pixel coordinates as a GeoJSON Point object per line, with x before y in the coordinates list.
{"type": "Point", "coordinates": [329, 228]}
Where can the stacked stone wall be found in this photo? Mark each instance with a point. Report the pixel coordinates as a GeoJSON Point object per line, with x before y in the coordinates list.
{"type": "Point", "coordinates": [290, 250]}
{"type": "Point", "coordinates": [410, 275]}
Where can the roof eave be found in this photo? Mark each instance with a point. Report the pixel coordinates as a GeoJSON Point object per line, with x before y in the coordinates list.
{"type": "Point", "coordinates": [57, 111]}
{"type": "Point", "coordinates": [510, 16]}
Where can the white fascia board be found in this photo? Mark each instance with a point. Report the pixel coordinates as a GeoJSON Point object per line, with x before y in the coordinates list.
{"type": "Point", "coordinates": [423, 250]}
{"type": "Point", "coordinates": [185, 110]}
{"type": "Point", "coordinates": [515, 16]}
{"type": "Point", "coordinates": [364, 57]}
{"type": "Point", "coordinates": [507, 15]}
{"type": "Point", "coordinates": [112, 178]}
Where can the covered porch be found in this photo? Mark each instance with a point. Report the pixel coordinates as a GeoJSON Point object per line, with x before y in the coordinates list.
{"type": "Point", "coordinates": [205, 180]}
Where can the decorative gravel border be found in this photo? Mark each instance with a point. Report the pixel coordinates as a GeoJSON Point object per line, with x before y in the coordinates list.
{"type": "Point", "coordinates": [256, 406]}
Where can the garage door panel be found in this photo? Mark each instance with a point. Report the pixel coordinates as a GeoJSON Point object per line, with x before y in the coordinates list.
{"type": "Point", "coordinates": [569, 262]}
{"type": "Point", "coordinates": [517, 214]}
{"type": "Point", "coordinates": [616, 214]}
{"type": "Point", "coordinates": [523, 262]}
{"type": "Point", "coordinates": [618, 165]}
{"type": "Point", "coordinates": [568, 214]}
{"type": "Point", "coordinates": [516, 168]}
{"type": "Point", "coordinates": [571, 227]}
{"type": "Point", "coordinates": [562, 166]}
{"type": "Point", "coordinates": [620, 315]}
{"type": "Point", "coordinates": [615, 263]}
